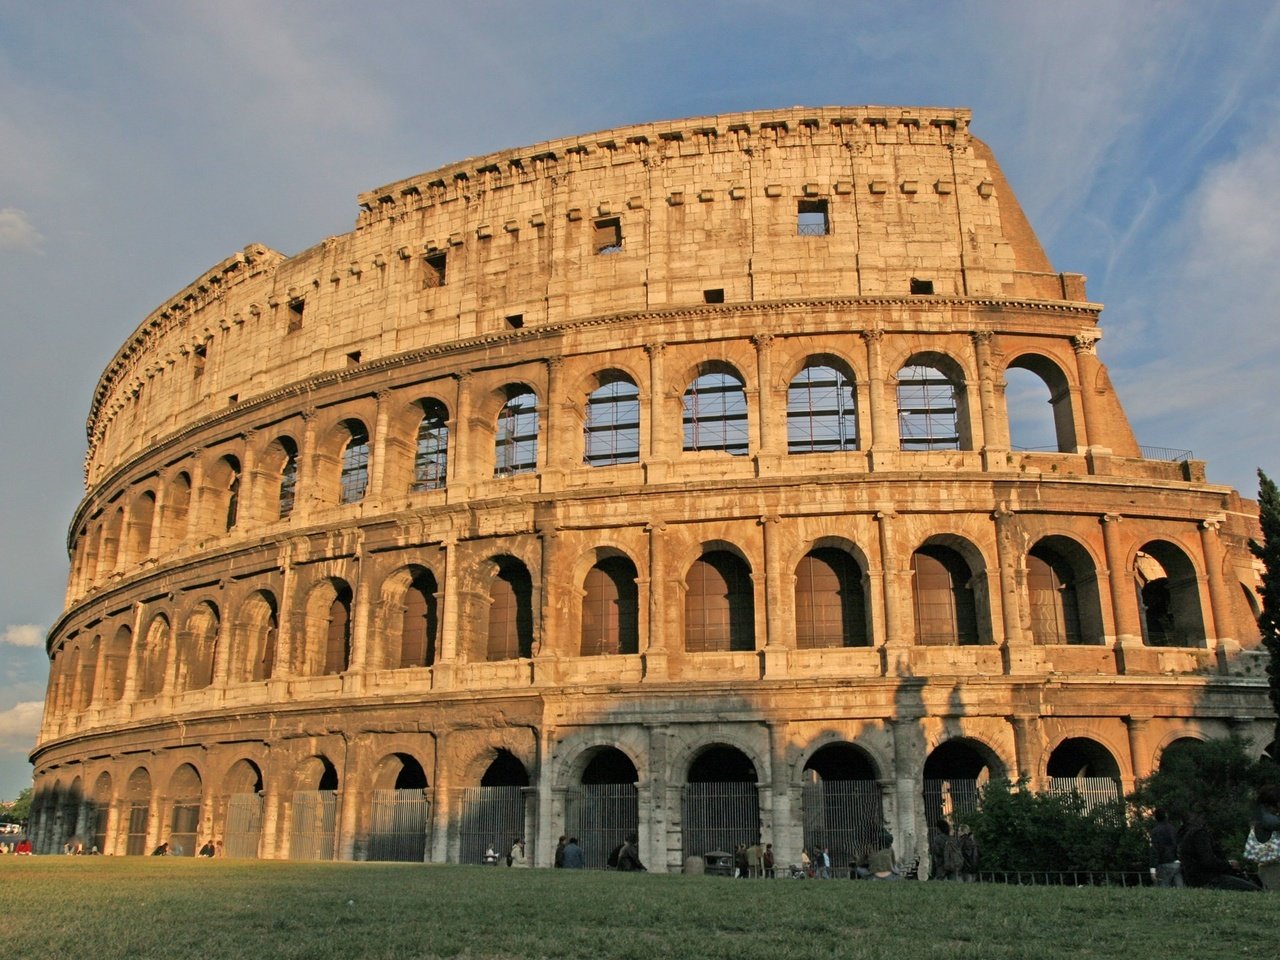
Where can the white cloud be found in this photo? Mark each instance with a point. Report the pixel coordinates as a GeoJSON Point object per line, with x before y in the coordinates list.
{"type": "Point", "coordinates": [20, 725]}
{"type": "Point", "coordinates": [16, 231]}
{"type": "Point", "coordinates": [23, 635]}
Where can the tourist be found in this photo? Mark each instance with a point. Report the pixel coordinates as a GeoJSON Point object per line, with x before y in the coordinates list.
{"type": "Point", "coordinates": [207, 850]}
{"type": "Point", "coordinates": [806, 864]}
{"type": "Point", "coordinates": [1266, 822]}
{"type": "Point", "coordinates": [824, 859]}
{"type": "Point", "coordinates": [969, 854]}
{"type": "Point", "coordinates": [754, 854]}
{"type": "Point", "coordinates": [740, 862]}
{"type": "Point", "coordinates": [559, 858]}
{"type": "Point", "coordinates": [162, 850]}
{"type": "Point", "coordinates": [1165, 869]}
{"type": "Point", "coordinates": [945, 853]}
{"type": "Point", "coordinates": [766, 861]}
{"type": "Point", "coordinates": [516, 857]}
{"type": "Point", "coordinates": [880, 866]}
{"type": "Point", "coordinates": [1202, 862]}
{"type": "Point", "coordinates": [573, 858]}
{"type": "Point", "coordinates": [629, 856]}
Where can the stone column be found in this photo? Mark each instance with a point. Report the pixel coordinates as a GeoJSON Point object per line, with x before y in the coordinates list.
{"type": "Point", "coordinates": [1026, 736]}
{"type": "Point", "coordinates": [787, 835]}
{"type": "Point", "coordinates": [778, 632]}
{"type": "Point", "coordinates": [378, 449]}
{"type": "Point", "coordinates": [1124, 602]}
{"type": "Point", "coordinates": [1219, 603]}
{"type": "Point", "coordinates": [910, 831]}
{"type": "Point", "coordinates": [442, 809]}
{"type": "Point", "coordinates": [362, 626]}
{"type": "Point", "coordinates": [459, 467]}
{"type": "Point", "coordinates": [450, 619]}
{"type": "Point", "coordinates": [306, 491]}
{"type": "Point", "coordinates": [350, 800]}
{"type": "Point", "coordinates": [770, 449]}
{"type": "Point", "coordinates": [550, 643]}
{"type": "Point", "coordinates": [287, 643]}
{"type": "Point", "coordinates": [1087, 368]}
{"type": "Point", "coordinates": [247, 511]}
{"type": "Point", "coordinates": [222, 641]}
{"type": "Point", "coordinates": [661, 798]}
{"type": "Point", "coordinates": [658, 462]}
{"type": "Point", "coordinates": [895, 624]}
{"type": "Point", "coordinates": [995, 444]}
{"type": "Point", "coordinates": [556, 459]}
{"type": "Point", "coordinates": [1019, 654]}
{"type": "Point", "coordinates": [111, 845]}
{"type": "Point", "coordinates": [1140, 758]}
{"type": "Point", "coordinates": [884, 433]}
{"type": "Point", "coordinates": [159, 521]}
{"type": "Point", "coordinates": [655, 653]}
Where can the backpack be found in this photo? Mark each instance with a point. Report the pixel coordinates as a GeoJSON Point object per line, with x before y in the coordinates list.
{"type": "Point", "coordinates": [952, 856]}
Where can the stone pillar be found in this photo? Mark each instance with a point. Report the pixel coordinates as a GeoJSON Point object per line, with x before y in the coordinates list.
{"type": "Point", "coordinates": [1140, 758]}
{"type": "Point", "coordinates": [556, 459]}
{"type": "Point", "coordinates": [378, 449]}
{"type": "Point", "coordinates": [1219, 602]}
{"type": "Point", "coordinates": [658, 462]}
{"type": "Point", "coordinates": [778, 630]}
{"type": "Point", "coordinates": [362, 626]}
{"type": "Point", "coordinates": [111, 845]}
{"type": "Point", "coordinates": [910, 830]}
{"type": "Point", "coordinates": [350, 797]}
{"type": "Point", "coordinates": [450, 621]}
{"type": "Point", "coordinates": [655, 653]}
{"type": "Point", "coordinates": [884, 433]}
{"type": "Point", "coordinates": [787, 834]}
{"type": "Point", "coordinates": [895, 624]}
{"type": "Point", "coordinates": [247, 496]}
{"type": "Point", "coordinates": [661, 798]}
{"type": "Point", "coordinates": [995, 442]}
{"type": "Point", "coordinates": [551, 642]}
{"type": "Point", "coordinates": [159, 523]}
{"type": "Point", "coordinates": [1087, 369]}
{"type": "Point", "coordinates": [1019, 654]}
{"type": "Point", "coordinates": [306, 488]}
{"type": "Point", "coordinates": [287, 643]}
{"type": "Point", "coordinates": [771, 444]}
{"type": "Point", "coordinates": [442, 809]}
{"type": "Point", "coordinates": [1026, 748]}
{"type": "Point", "coordinates": [460, 434]}
{"type": "Point", "coordinates": [1124, 602]}
{"type": "Point", "coordinates": [222, 641]}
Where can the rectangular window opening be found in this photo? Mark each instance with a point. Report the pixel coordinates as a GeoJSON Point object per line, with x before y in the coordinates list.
{"type": "Point", "coordinates": [713, 296]}
{"type": "Point", "coordinates": [608, 235]}
{"type": "Point", "coordinates": [233, 399]}
{"type": "Point", "coordinates": [812, 219]}
{"type": "Point", "coordinates": [515, 321]}
{"type": "Point", "coordinates": [921, 286]}
{"type": "Point", "coordinates": [433, 270]}
{"type": "Point", "coordinates": [353, 358]}
{"type": "Point", "coordinates": [295, 315]}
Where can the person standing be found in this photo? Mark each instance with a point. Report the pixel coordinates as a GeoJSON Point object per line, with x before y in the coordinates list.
{"type": "Point", "coordinates": [559, 860]}
{"type": "Point", "coordinates": [574, 857]}
{"type": "Point", "coordinates": [1166, 871]}
{"type": "Point", "coordinates": [766, 862]}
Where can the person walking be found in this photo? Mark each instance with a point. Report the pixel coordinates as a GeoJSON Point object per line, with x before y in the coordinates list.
{"type": "Point", "coordinates": [1166, 871]}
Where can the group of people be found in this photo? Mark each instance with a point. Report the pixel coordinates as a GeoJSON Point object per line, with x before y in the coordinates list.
{"type": "Point", "coordinates": [210, 848]}
{"type": "Point", "coordinates": [954, 854]}
{"type": "Point", "coordinates": [21, 847]}
{"type": "Point", "coordinates": [1189, 856]}
{"type": "Point", "coordinates": [569, 854]}
{"type": "Point", "coordinates": [754, 861]}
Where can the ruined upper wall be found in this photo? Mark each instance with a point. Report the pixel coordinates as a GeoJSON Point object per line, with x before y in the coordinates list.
{"type": "Point", "coordinates": [520, 239]}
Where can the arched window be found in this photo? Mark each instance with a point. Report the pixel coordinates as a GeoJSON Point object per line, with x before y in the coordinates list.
{"type": "Point", "coordinates": [151, 658]}
{"type": "Point", "coordinates": [944, 605]}
{"type": "Point", "coordinates": [516, 435]}
{"type": "Point", "coordinates": [715, 414]}
{"type": "Point", "coordinates": [510, 612]}
{"type": "Point", "coordinates": [178, 509]}
{"type": "Point", "coordinates": [288, 493]}
{"type": "Point", "coordinates": [611, 431]}
{"type": "Point", "coordinates": [610, 609]}
{"type": "Point", "coordinates": [337, 649]}
{"type": "Point", "coordinates": [233, 491]}
{"type": "Point", "coordinates": [256, 649]}
{"type": "Point", "coordinates": [1169, 596]}
{"type": "Point", "coordinates": [431, 456]}
{"type": "Point", "coordinates": [1055, 603]}
{"type": "Point", "coordinates": [418, 631]}
{"type": "Point", "coordinates": [719, 608]}
{"type": "Point", "coordinates": [830, 606]}
{"type": "Point", "coordinates": [141, 517]}
{"type": "Point", "coordinates": [1031, 383]}
{"type": "Point", "coordinates": [197, 651]}
{"type": "Point", "coordinates": [354, 479]}
{"type": "Point", "coordinates": [928, 409]}
{"type": "Point", "coordinates": [115, 664]}
{"type": "Point", "coordinates": [821, 411]}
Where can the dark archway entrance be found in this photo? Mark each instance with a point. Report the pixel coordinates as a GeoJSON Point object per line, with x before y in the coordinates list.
{"type": "Point", "coordinates": [954, 775]}
{"type": "Point", "coordinates": [399, 817]}
{"type": "Point", "coordinates": [604, 807]}
{"type": "Point", "coordinates": [1085, 767]}
{"type": "Point", "coordinates": [842, 807]}
{"type": "Point", "coordinates": [315, 812]}
{"type": "Point", "coordinates": [721, 802]}
{"type": "Point", "coordinates": [494, 814]}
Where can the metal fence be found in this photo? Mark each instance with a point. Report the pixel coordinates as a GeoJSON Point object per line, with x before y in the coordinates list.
{"type": "Point", "coordinates": [99, 827]}
{"type": "Point", "coordinates": [948, 799]}
{"type": "Point", "coordinates": [184, 827]}
{"type": "Point", "coordinates": [843, 816]}
{"type": "Point", "coordinates": [719, 816]}
{"type": "Point", "coordinates": [1068, 878]}
{"type": "Point", "coordinates": [315, 816]}
{"type": "Point", "coordinates": [1094, 791]}
{"type": "Point", "coordinates": [244, 825]}
{"type": "Point", "coordinates": [601, 815]}
{"type": "Point", "coordinates": [398, 825]}
{"type": "Point", "coordinates": [136, 842]}
{"type": "Point", "coordinates": [492, 817]}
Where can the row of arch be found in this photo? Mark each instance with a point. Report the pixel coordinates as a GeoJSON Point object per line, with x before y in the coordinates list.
{"type": "Point", "coordinates": [337, 465]}
{"type": "Point", "coordinates": [830, 599]}
{"type": "Point", "coordinates": [135, 814]}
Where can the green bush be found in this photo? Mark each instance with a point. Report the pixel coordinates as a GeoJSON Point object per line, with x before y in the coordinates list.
{"type": "Point", "coordinates": [1019, 830]}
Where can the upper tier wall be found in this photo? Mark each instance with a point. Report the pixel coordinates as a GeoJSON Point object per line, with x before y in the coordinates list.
{"type": "Point", "coordinates": [515, 238]}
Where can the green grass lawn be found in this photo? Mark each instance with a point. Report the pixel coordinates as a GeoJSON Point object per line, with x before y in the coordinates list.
{"type": "Point", "coordinates": [105, 908]}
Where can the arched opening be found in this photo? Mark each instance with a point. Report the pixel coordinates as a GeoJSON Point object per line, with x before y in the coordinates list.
{"type": "Point", "coordinates": [1084, 767]}
{"type": "Point", "coordinates": [1168, 596]}
{"type": "Point", "coordinates": [313, 832]}
{"type": "Point", "coordinates": [942, 588]}
{"type": "Point", "coordinates": [1062, 590]}
{"type": "Point", "coordinates": [100, 813]}
{"type": "Point", "coordinates": [494, 813]}
{"type": "Point", "coordinates": [1031, 381]}
{"type": "Point", "coordinates": [932, 413]}
{"type": "Point", "coordinates": [510, 634]}
{"type": "Point", "coordinates": [243, 829]}
{"type": "Point", "coordinates": [282, 460]}
{"type": "Point", "coordinates": [198, 650]}
{"type": "Point", "coordinates": [84, 691]}
{"type": "Point", "coordinates": [327, 650]}
{"type": "Point", "coordinates": [184, 811]}
{"type": "Point", "coordinates": [831, 609]}
{"type": "Point", "coordinates": [115, 664]}
{"type": "Point", "coordinates": [141, 518]}
{"type": "Point", "coordinates": [420, 620]}
{"type": "Point", "coordinates": [137, 796]}
{"type": "Point", "coordinates": [225, 480]}
{"type": "Point", "coordinates": [721, 802]}
{"type": "Point", "coordinates": [1170, 753]}
{"type": "Point", "coordinates": [822, 412]}
{"type": "Point", "coordinates": [954, 774]}
{"type": "Point", "coordinates": [431, 448]}
{"type": "Point", "coordinates": [719, 604]}
{"type": "Point", "coordinates": [177, 509]}
{"type": "Point", "coordinates": [515, 440]}
{"type": "Point", "coordinates": [256, 651]}
{"type": "Point", "coordinates": [109, 554]}
{"type": "Point", "coordinates": [353, 479]}
{"type": "Point", "coordinates": [152, 658]}
{"type": "Point", "coordinates": [715, 413]}
{"type": "Point", "coordinates": [611, 426]}
{"type": "Point", "coordinates": [610, 609]}
{"type": "Point", "coordinates": [843, 813]}
{"type": "Point", "coordinates": [603, 809]}
{"type": "Point", "coordinates": [399, 819]}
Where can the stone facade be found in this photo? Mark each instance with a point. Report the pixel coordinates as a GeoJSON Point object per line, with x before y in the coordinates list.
{"type": "Point", "coordinates": [616, 470]}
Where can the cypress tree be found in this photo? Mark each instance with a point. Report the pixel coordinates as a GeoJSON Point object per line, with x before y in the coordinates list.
{"type": "Point", "coordinates": [1268, 551]}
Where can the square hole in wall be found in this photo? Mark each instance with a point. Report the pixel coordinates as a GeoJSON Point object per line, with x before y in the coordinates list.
{"type": "Point", "coordinates": [812, 219]}
{"type": "Point", "coordinates": [353, 358]}
{"type": "Point", "coordinates": [433, 270]}
{"type": "Point", "coordinates": [607, 237]}
{"type": "Point", "coordinates": [295, 315]}
{"type": "Point", "coordinates": [715, 295]}
{"type": "Point", "coordinates": [515, 321]}
{"type": "Point", "coordinates": [921, 286]}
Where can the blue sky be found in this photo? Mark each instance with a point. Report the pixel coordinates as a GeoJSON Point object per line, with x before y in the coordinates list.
{"type": "Point", "coordinates": [142, 142]}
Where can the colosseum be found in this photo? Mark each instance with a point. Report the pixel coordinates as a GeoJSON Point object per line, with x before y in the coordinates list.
{"type": "Point", "coordinates": [664, 480]}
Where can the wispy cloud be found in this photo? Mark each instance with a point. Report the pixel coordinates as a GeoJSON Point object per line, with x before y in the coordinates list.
{"type": "Point", "coordinates": [17, 231]}
{"type": "Point", "coordinates": [23, 635]}
{"type": "Point", "coordinates": [20, 725]}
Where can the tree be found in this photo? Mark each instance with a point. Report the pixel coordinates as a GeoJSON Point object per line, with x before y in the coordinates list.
{"type": "Point", "coordinates": [1268, 551]}
{"type": "Point", "coordinates": [20, 809]}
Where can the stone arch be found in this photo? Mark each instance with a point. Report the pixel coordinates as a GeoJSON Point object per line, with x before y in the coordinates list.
{"type": "Point", "coordinates": [719, 602]}
{"type": "Point", "coordinates": [721, 806]}
{"type": "Point", "coordinates": [1076, 757]}
{"type": "Point", "coordinates": [177, 510]}
{"type": "Point", "coordinates": [399, 812]}
{"type": "Point", "coordinates": [510, 632]}
{"type": "Point", "coordinates": [279, 484]}
{"type": "Point", "coordinates": [100, 801]}
{"type": "Point", "coordinates": [1174, 742]}
{"type": "Point", "coordinates": [109, 550]}
{"type": "Point", "coordinates": [409, 619]}
{"type": "Point", "coordinates": [137, 810]}
{"type": "Point", "coordinates": [517, 429]}
{"type": "Point", "coordinates": [142, 515]}
{"type": "Point", "coordinates": [955, 771]}
{"type": "Point", "coordinates": [932, 401]}
{"type": "Point", "coordinates": [313, 827]}
{"type": "Point", "coordinates": [185, 795]}
{"type": "Point", "coordinates": [242, 801]}
{"type": "Point", "coordinates": [1168, 588]}
{"type": "Point", "coordinates": [153, 656]}
{"type": "Point", "coordinates": [1038, 376]}
{"type": "Point", "coordinates": [609, 407]}
{"type": "Point", "coordinates": [832, 606]}
{"type": "Point", "coordinates": [197, 647]}
{"type": "Point", "coordinates": [609, 609]}
{"type": "Point", "coordinates": [949, 592]}
{"type": "Point", "coordinates": [85, 681]}
{"type": "Point", "coordinates": [222, 481]}
{"type": "Point", "coordinates": [822, 406]}
{"type": "Point", "coordinates": [715, 410]}
{"type": "Point", "coordinates": [115, 664]}
{"type": "Point", "coordinates": [1064, 592]}
{"type": "Point", "coordinates": [326, 646]}
{"type": "Point", "coordinates": [254, 649]}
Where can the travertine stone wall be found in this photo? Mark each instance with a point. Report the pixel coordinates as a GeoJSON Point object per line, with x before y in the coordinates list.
{"type": "Point", "coordinates": [198, 646]}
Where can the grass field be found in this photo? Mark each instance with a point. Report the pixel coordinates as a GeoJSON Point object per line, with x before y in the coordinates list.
{"type": "Point", "coordinates": [106, 908]}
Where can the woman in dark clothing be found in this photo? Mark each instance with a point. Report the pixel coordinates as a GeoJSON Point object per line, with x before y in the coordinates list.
{"type": "Point", "coordinates": [1202, 862]}
{"type": "Point", "coordinates": [1266, 820]}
